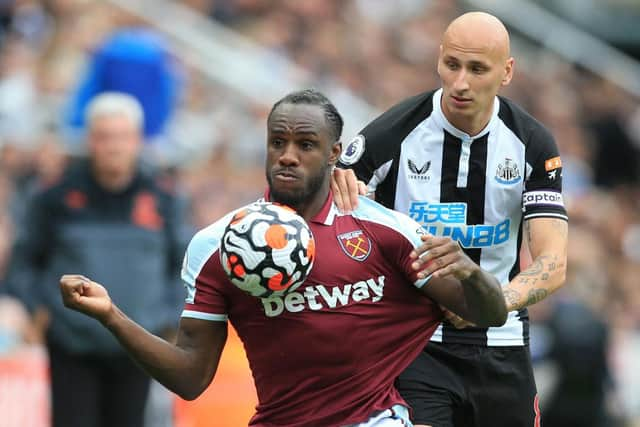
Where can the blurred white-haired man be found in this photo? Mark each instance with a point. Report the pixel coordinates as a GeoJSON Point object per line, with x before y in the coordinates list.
{"type": "Point", "coordinates": [115, 124]}
{"type": "Point", "coordinates": [109, 218]}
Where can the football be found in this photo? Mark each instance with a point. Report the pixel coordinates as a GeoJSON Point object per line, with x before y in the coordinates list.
{"type": "Point", "coordinates": [267, 249]}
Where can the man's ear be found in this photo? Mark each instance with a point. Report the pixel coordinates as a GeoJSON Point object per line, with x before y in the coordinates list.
{"type": "Point", "coordinates": [508, 72]}
{"type": "Point", "coordinates": [336, 150]}
{"type": "Point", "coordinates": [439, 63]}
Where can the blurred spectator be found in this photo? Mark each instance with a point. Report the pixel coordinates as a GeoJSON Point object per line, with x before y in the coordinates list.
{"type": "Point", "coordinates": [14, 322]}
{"type": "Point", "coordinates": [30, 21]}
{"type": "Point", "coordinates": [579, 349]}
{"type": "Point", "coordinates": [24, 396]}
{"type": "Point", "coordinates": [134, 61]}
{"type": "Point", "coordinates": [572, 338]}
{"type": "Point", "coordinates": [110, 219]}
{"type": "Point", "coordinates": [615, 157]}
{"type": "Point", "coordinates": [18, 97]}
{"type": "Point", "coordinates": [6, 15]}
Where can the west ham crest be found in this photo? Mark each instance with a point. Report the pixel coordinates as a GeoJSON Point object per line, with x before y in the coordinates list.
{"type": "Point", "coordinates": [355, 244]}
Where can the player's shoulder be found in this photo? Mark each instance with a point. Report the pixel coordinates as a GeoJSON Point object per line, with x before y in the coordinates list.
{"type": "Point", "coordinates": [389, 129]}
{"type": "Point", "coordinates": [396, 115]}
{"type": "Point", "coordinates": [370, 209]}
{"type": "Point", "coordinates": [207, 239]}
{"type": "Point", "coordinates": [412, 103]}
{"type": "Point", "coordinates": [526, 127]}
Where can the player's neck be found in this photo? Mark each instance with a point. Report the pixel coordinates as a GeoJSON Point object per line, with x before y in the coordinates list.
{"type": "Point", "coordinates": [314, 204]}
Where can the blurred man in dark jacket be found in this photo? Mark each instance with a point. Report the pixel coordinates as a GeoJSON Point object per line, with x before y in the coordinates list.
{"type": "Point", "coordinates": [109, 219]}
{"type": "Point", "coordinates": [579, 350]}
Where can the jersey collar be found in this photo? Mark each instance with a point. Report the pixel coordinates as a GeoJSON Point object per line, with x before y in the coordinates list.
{"type": "Point", "coordinates": [443, 122]}
{"type": "Point", "coordinates": [325, 215]}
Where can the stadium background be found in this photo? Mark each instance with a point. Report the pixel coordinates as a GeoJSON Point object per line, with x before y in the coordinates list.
{"type": "Point", "coordinates": [577, 68]}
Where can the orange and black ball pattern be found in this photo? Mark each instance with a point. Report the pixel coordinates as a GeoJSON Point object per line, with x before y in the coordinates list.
{"type": "Point", "coordinates": [267, 249]}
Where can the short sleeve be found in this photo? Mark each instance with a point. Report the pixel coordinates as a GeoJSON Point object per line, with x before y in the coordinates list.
{"type": "Point", "coordinates": [542, 195]}
{"type": "Point", "coordinates": [203, 276]}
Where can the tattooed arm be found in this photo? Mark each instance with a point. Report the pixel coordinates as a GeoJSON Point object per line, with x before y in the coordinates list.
{"type": "Point", "coordinates": [548, 246]}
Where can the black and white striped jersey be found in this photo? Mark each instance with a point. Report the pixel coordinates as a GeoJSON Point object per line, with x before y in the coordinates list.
{"type": "Point", "coordinates": [477, 190]}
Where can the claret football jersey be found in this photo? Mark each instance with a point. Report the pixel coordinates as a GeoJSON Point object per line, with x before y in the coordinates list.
{"type": "Point", "coordinates": [327, 353]}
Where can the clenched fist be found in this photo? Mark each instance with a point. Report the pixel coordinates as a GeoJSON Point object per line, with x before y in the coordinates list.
{"type": "Point", "coordinates": [85, 296]}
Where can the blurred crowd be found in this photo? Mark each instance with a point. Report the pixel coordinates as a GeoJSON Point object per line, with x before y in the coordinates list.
{"type": "Point", "coordinates": [208, 143]}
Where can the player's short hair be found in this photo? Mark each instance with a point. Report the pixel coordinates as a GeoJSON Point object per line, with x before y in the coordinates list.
{"type": "Point", "coordinates": [112, 103]}
{"type": "Point", "coordinates": [314, 97]}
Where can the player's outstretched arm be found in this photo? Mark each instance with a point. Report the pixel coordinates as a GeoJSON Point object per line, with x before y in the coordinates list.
{"type": "Point", "coordinates": [185, 368]}
{"type": "Point", "coordinates": [477, 299]}
{"type": "Point", "coordinates": [548, 241]}
{"type": "Point", "coordinates": [459, 284]}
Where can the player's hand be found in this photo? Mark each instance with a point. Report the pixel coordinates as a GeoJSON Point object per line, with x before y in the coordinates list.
{"type": "Point", "coordinates": [85, 296]}
{"type": "Point", "coordinates": [457, 321]}
{"type": "Point", "coordinates": [346, 188]}
{"type": "Point", "coordinates": [440, 257]}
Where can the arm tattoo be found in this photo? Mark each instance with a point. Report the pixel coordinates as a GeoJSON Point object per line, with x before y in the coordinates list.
{"type": "Point", "coordinates": [534, 269]}
{"type": "Point", "coordinates": [533, 280]}
{"type": "Point", "coordinates": [527, 281]}
{"type": "Point", "coordinates": [536, 295]}
{"type": "Point", "coordinates": [538, 266]}
{"type": "Point", "coordinates": [540, 279]}
{"type": "Point", "coordinates": [511, 297]}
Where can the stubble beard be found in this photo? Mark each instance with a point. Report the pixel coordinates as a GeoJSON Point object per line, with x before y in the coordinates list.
{"type": "Point", "coordinates": [297, 198]}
